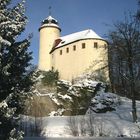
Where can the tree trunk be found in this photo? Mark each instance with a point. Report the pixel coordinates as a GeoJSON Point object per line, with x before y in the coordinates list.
{"type": "Point", "coordinates": [134, 110]}
{"type": "Point", "coordinates": [133, 93]}
{"type": "Point", "coordinates": [132, 85]}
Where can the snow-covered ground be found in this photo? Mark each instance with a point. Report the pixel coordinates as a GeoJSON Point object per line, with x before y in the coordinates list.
{"type": "Point", "coordinates": [109, 115]}
{"type": "Point", "coordinates": [111, 124]}
{"type": "Point", "coordinates": [81, 138]}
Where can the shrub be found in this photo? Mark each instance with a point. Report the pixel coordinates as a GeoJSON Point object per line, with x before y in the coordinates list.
{"type": "Point", "coordinates": [50, 78]}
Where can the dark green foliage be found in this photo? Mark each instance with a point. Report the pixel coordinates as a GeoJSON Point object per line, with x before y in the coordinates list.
{"type": "Point", "coordinates": [82, 102]}
{"type": "Point", "coordinates": [15, 77]}
{"type": "Point", "coordinates": [80, 97]}
{"type": "Point", "coordinates": [13, 72]}
{"type": "Point", "coordinates": [5, 121]}
{"type": "Point", "coordinates": [50, 78]}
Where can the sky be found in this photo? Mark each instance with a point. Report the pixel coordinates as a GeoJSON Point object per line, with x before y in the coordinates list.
{"type": "Point", "coordinates": [74, 16]}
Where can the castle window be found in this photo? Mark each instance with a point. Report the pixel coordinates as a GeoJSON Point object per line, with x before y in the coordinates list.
{"type": "Point", "coordinates": [67, 50]}
{"type": "Point", "coordinates": [60, 52]}
{"type": "Point", "coordinates": [95, 45]}
{"type": "Point", "coordinates": [74, 48]}
{"type": "Point", "coordinates": [83, 45]}
{"type": "Point", "coordinates": [105, 46]}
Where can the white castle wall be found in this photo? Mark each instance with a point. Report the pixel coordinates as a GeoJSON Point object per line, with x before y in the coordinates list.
{"type": "Point", "coordinates": [76, 62]}
{"type": "Point", "coordinates": [47, 37]}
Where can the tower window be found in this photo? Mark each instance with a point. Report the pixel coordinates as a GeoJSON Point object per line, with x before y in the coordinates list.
{"type": "Point", "coordinates": [67, 50]}
{"type": "Point", "coordinates": [105, 46]}
{"type": "Point", "coordinates": [95, 45]}
{"type": "Point", "coordinates": [60, 52]}
{"type": "Point", "coordinates": [74, 48]}
{"type": "Point", "coordinates": [83, 45]}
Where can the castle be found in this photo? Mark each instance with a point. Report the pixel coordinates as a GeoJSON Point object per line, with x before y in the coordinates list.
{"type": "Point", "coordinates": [72, 55]}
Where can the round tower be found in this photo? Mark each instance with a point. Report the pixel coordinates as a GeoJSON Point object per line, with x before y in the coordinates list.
{"type": "Point", "coordinates": [49, 32]}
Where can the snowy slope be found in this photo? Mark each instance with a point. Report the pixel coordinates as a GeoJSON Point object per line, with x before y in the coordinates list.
{"type": "Point", "coordinates": [109, 115]}
{"type": "Point", "coordinates": [111, 124]}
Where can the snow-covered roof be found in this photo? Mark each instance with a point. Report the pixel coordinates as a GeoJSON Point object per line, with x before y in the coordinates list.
{"type": "Point", "coordinates": [86, 34]}
{"type": "Point", "coordinates": [50, 19]}
{"type": "Point", "coordinates": [50, 22]}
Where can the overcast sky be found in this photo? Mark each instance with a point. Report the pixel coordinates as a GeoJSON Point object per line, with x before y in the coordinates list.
{"type": "Point", "coordinates": [75, 15]}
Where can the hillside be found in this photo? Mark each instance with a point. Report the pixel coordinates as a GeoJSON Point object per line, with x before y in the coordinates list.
{"type": "Point", "coordinates": [100, 113]}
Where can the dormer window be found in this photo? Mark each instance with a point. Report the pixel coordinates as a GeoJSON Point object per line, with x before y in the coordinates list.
{"type": "Point", "coordinates": [62, 42]}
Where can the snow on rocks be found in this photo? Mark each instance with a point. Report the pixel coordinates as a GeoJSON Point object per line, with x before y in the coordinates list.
{"type": "Point", "coordinates": [58, 112]}
{"type": "Point", "coordinates": [66, 93]}
{"type": "Point", "coordinates": [64, 97]}
{"type": "Point", "coordinates": [86, 83]}
{"type": "Point", "coordinates": [109, 115]}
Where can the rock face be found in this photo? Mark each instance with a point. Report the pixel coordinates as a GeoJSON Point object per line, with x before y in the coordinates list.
{"type": "Point", "coordinates": [67, 98]}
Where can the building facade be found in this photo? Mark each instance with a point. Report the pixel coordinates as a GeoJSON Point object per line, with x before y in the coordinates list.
{"type": "Point", "coordinates": [72, 55]}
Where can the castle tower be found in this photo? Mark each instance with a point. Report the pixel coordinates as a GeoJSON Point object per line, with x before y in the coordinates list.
{"type": "Point", "coordinates": [49, 32]}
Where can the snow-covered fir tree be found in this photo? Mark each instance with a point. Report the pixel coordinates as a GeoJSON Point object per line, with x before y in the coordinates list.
{"type": "Point", "coordinates": [15, 80]}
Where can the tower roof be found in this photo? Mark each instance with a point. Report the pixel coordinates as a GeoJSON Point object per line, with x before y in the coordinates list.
{"type": "Point", "coordinates": [50, 22]}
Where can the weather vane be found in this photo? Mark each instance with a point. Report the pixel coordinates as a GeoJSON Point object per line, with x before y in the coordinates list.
{"type": "Point", "coordinates": [50, 8]}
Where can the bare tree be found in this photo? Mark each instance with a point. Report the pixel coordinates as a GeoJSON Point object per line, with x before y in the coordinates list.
{"type": "Point", "coordinates": [138, 11]}
{"type": "Point", "coordinates": [73, 125]}
{"type": "Point", "coordinates": [82, 126]}
{"type": "Point", "coordinates": [91, 125]}
{"type": "Point", "coordinates": [125, 58]}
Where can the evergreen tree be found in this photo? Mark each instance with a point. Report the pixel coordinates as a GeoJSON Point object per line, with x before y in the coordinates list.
{"type": "Point", "coordinates": [15, 80]}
